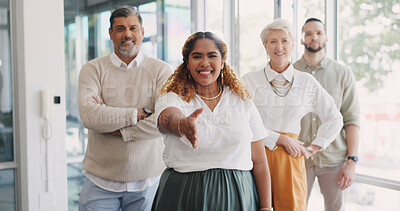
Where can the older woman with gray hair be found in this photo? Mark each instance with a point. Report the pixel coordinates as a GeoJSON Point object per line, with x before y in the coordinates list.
{"type": "Point", "coordinates": [283, 95]}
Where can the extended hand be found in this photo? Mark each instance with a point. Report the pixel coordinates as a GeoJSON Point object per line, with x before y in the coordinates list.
{"type": "Point", "coordinates": [188, 127]}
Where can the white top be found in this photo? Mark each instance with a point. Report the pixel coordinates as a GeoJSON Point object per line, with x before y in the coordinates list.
{"type": "Point", "coordinates": [121, 186]}
{"type": "Point", "coordinates": [119, 63]}
{"type": "Point", "coordinates": [225, 135]}
{"type": "Point", "coordinates": [283, 114]}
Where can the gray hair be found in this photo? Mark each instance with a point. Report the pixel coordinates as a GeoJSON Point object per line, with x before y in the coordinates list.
{"type": "Point", "coordinates": [277, 24]}
{"type": "Point", "coordinates": [125, 11]}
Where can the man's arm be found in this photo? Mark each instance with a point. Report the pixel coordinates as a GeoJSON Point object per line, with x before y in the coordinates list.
{"type": "Point", "coordinates": [94, 116]}
{"type": "Point", "coordinates": [141, 114]}
{"type": "Point", "coordinates": [351, 113]}
{"type": "Point", "coordinates": [348, 173]}
{"type": "Point", "coordinates": [147, 129]}
{"type": "Point", "coordinates": [143, 130]}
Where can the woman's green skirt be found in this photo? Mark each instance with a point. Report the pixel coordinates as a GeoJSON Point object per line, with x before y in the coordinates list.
{"type": "Point", "coordinates": [213, 189]}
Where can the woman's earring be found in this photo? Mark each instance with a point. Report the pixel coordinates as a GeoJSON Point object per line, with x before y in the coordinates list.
{"type": "Point", "coordinates": [222, 75]}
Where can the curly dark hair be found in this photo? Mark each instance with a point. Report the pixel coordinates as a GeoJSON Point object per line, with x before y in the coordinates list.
{"type": "Point", "coordinates": [183, 84]}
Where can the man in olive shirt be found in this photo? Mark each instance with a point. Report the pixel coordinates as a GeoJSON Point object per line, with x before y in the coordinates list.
{"type": "Point", "coordinates": [335, 167]}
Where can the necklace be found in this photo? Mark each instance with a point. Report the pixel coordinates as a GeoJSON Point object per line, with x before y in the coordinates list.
{"type": "Point", "coordinates": [280, 88]}
{"type": "Point", "coordinates": [212, 98]}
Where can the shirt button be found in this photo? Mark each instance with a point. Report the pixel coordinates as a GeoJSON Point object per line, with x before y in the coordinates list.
{"type": "Point", "coordinates": [314, 135]}
{"type": "Point", "coordinates": [313, 119]}
{"type": "Point", "coordinates": [313, 72]}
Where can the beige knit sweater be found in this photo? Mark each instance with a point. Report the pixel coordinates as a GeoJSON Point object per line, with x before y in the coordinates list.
{"type": "Point", "coordinates": [138, 154]}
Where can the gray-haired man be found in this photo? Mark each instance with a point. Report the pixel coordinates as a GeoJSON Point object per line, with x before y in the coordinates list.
{"type": "Point", "coordinates": [123, 160]}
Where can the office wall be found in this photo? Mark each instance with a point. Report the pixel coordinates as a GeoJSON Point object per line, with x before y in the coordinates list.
{"type": "Point", "coordinates": [38, 50]}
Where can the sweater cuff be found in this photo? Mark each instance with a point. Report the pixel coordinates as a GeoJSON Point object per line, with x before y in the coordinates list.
{"type": "Point", "coordinates": [125, 134]}
{"type": "Point", "coordinates": [134, 120]}
{"type": "Point", "coordinates": [131, 116]}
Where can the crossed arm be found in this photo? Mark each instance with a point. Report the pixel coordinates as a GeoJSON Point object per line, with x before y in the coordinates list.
{"type": "Point", "coordinates": [141, 114]}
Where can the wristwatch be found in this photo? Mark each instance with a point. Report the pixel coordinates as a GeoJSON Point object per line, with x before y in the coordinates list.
{"type": "Point", "coordinates": [147, 111]}
{"type": "Point", "coordinates": [354, 158]}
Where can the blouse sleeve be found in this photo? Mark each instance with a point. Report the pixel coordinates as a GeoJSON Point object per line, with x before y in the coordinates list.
{"type": "Point", "coordinates": [332, 120]}
{"type": "Point", "coordinates": [271, 140]}
{"type": "Point", "coordinates": [165, 101]}
{"type": "Point", "coordinates": [256, 124]}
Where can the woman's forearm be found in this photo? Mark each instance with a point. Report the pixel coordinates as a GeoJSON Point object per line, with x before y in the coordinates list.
{"type": "Point", "coordinates": [168, 120]}
{"type": "Point", "coordinates": [261, 174]}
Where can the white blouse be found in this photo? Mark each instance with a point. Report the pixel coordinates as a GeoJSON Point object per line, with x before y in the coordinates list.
{"type": "Point", "coordinates": [224, 135]}
{"type": "Point", "coordinates": [284, 114]}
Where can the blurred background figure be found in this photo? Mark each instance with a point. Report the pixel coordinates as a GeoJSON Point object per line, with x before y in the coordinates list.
{"type": "Point", "coordinates": [335, 167]}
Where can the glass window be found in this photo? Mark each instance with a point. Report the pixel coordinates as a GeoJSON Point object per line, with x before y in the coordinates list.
{"type": "Point", "coordinates": [368, 42]}
{"type": "Point", "coordinates": [149, 15]}
{"type": "Point", "coordinates": [214, 17]}
{"type": "Point", "coordinates": [360, 197]}
{"type": "Point", "coordinates": [177, 29]}
{"type": "Point", "coordinates": [7, 177]}
{"type": "Point", "coordinates": [252, 19]}
{"type": "Point", "coordinates": [287, 10]}
{"type": "Point", "coordinates": [104, 45]}
{"type": "Point", "coordinates": [307, 9]}
{"type": "Point", "coordinates": [6, 106]}
{"type": "Point", "coordinates": [76, 53]}
{"type": "Point", "coordinates": [75, 182]}
{"type": "Point", "coordinates": [7, 190]}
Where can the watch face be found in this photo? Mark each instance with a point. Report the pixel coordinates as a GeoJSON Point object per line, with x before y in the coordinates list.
{"type": "Point", "coordinates": [354, 158]}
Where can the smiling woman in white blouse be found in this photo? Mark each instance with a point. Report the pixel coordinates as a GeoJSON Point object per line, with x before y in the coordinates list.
{"type": "Point", "coordinates": [283, 96]}
{"type": "Point", "coordinates": [214, 149]}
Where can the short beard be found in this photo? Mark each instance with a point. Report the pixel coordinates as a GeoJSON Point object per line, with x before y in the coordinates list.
{"type": "Point", "coordinates": [312, 50]}
{"type": "Point", "coordinates": [127, 51]}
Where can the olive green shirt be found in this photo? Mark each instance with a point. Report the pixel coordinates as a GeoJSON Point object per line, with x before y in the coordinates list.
{"type": "Point", "coordinates": [339, 81]}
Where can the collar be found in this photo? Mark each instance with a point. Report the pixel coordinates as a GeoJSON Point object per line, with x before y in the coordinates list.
{"type": "Point", "coordinates": [308, 66]}
{"type": "Point", "coordinates": [271, 74]}
{"type": "Point", "coordinates": [119, 63]}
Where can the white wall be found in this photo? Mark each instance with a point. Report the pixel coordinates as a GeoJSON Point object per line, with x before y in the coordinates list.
{"type": "Point", "coordinates": [39, 63]}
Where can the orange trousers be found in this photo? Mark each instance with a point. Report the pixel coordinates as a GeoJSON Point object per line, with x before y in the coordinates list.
{"type": "Point", "coordinates": [288, 179]}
